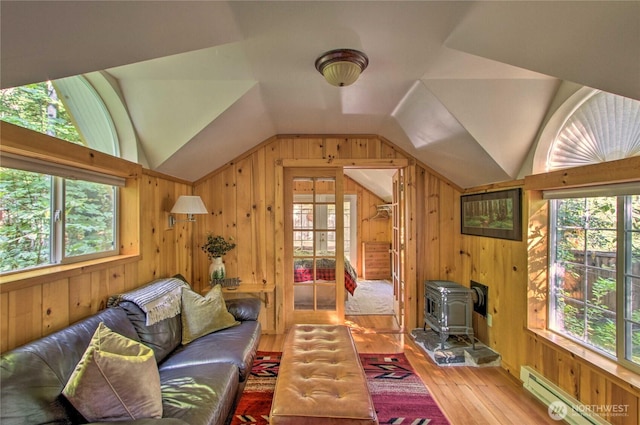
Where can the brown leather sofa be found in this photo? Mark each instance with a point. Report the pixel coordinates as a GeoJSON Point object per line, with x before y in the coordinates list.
{"type": "Point", "coordinates": [200, 381]}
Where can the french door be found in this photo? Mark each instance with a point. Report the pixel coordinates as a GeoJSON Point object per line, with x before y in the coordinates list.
{"type": "Point", "coordinates": [314, 246]}
{"type": "Point", "coordinates": [398, 246]}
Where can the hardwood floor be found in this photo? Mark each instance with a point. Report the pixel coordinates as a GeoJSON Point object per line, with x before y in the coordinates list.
{"type": "Point", "coordinates": [466, 395]}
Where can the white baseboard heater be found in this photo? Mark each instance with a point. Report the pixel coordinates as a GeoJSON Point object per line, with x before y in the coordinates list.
{"type": "Point", "coordinates": [562, 406]}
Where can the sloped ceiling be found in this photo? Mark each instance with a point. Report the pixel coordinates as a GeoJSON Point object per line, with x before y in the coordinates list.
{"type": "Point", "coordinates": [462, 86]}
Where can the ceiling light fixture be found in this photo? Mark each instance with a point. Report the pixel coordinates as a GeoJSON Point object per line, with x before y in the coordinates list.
{"type": "Point", "coordinates": [342, 67]}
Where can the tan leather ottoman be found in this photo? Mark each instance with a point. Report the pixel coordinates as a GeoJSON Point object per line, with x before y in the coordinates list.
{"type": "Point", "coordinates": [321, 380]}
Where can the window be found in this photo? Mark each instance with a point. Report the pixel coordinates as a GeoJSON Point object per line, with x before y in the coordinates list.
{"type": "Point", "coordinates": [69, 109]}
{"type": "Point", "coordinates": [594, 295]}
{"type": "Point", "coordinates": [594, 243]}
{"type": "Point", "coordinates": [61, 216]}
{"type": "Point", "coordinates": [50, 213]}
{"type": "Point", "coordinates": [326, 215]}
{"type": "Point", "coordinates": [588, 128]}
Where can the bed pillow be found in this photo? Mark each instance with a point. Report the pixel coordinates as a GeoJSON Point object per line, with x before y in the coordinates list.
{"type": "Point", "coordinates": [204, 315]}
{"type": "Point", "coordinates": [116, 379]}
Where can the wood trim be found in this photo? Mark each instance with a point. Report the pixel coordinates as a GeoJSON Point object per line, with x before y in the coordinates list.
{"type": "Point", "coordinates": [157, 174]}
{"type": "Point", "coordinates": [423, 165]}
{"type": "Point", "coordinates": [43, 275]}
{"type": "Point", "coordinates": [346, 163]}
{"type": "Point", "coordinates": [620, 171]}
{"type": "Point", "coordinates": [494, 186]}
{"type": "Point", "coordinates": [610, 369]}
{"type": "Point", "coordinates": [537, 212]}
{"type": "Point", "coordinates": [279, 247]}
{"type": "Point", "coordinates": [326, 136]}
{"type": "Point", "coordinates": [409, 227]}
{"type": "Point", "coordinates": [240, 157]}
{"type": "Point", "coordinates": [31, 144]}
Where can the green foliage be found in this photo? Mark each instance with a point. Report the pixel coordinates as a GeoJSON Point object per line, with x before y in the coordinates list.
{"type": "Point", "coordinates": [586, 239]}
{"type": "Point", "coordinates": [572, 318]}
{"type": "Point", "coordinates": [89, 218]}
{"type": "Point", "coordinates": [28, 106]}
{"type": "Point", "coordinates": [217, 246]}
{"type": "Point", "coordinates": [602, 326]}
{"type": "Point", "coordinates": [26, 208]}
{"type": "Point", "coordinates": [24, 229]}
{"type": "Point", "coordinates": [599, 328]}
{"type": "Point", "coordinates": [491, 214]}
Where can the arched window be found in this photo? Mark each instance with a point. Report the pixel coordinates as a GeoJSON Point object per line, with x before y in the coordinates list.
{"type": "Point", "coordinates": [588, 128]}
{"type": "Point", "coordinates": [68, 108]}
{"type": "Point", "coordinates": [594, 233]}
{"type": "Point", "coordinates": [51, 213]}
{"type": "Point", "coordinates": [605, 127]}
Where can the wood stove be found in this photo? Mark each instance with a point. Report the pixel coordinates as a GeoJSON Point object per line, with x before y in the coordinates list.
{"type": "Point", "coordinates": [447, 309]}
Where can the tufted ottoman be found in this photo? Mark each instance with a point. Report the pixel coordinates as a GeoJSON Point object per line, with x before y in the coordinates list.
{"type": "Point", "coordinates": [321, 380]}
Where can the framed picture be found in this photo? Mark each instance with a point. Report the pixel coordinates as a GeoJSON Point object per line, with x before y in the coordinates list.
{"type": "Point", "coordinates": [492, 214]}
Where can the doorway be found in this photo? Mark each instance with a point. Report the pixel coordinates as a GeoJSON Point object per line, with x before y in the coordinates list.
{"type": "Point", "coordinates": [314, 246]}
{"type": "Point", "coordinates": [377, 304]}
{"type": "Point", "coordinates": [316, 235]}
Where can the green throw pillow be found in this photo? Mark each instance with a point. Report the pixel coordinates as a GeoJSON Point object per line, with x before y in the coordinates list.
{"type": "Point", "coordinates": [116, 379]}
{"type": "Point", "coordinates": [204, 315]}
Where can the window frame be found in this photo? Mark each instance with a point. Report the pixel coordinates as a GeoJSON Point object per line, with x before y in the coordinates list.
{"type": "Point", "coordinates": [63, 258]}
{"type": "Point", "coordinates": [624, 342]}
{"type": "Point", "coordinates": [57, 219]}
{"type": "Point", "coordinates": [15, 140]}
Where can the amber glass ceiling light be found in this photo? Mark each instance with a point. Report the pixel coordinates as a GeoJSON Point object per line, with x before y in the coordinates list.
{"type": "Point", "coordinates": [342, 67]}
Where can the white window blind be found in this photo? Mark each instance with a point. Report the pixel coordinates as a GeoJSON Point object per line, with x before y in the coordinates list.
{"type": "Point", "coordinates": [621, 189]}
{"type": "Point", "coordinates": [59, 170]}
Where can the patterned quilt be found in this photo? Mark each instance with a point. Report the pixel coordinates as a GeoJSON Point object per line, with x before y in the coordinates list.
{"type": "Point", "coordinates": [325, 270]}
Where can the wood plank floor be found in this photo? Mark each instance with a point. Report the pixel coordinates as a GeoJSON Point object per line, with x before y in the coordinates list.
{"type": "Point", "coordinates": [466, 395]}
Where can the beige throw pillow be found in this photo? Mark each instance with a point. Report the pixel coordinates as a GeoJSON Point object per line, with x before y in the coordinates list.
{"type": "Point", "coordinates": [204, 315]}
{"type": "Point", "coordinates": [116, 379]}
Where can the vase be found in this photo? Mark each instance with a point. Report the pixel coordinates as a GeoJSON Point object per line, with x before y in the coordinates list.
{"type": "Point", "coordinates": [216, 269]}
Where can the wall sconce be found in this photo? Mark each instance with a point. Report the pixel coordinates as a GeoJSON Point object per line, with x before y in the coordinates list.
{"type": "Point", "coordinates": [188, 205]}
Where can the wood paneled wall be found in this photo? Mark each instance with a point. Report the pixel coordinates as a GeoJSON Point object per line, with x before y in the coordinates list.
{"type": "Point", "coordinates": [242, 198]}
{"type": "Point", "coordinates": [591, 378]}
{"type": "Point", "coordinates": [37, 306]}
{"type": "Point", "coordinates": [36, 303]}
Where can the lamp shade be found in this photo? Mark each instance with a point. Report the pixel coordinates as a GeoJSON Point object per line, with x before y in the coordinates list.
{"type": "Point", "coordinates": [189, 205]}
{"type": "Point", "coordinates": [342, 67]}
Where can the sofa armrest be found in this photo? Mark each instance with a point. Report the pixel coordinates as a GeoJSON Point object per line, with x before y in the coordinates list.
{"type": "Point", "coordinates": [244, 309]}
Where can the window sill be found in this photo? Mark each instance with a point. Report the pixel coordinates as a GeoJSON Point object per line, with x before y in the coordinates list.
{"type": "Point", "coordinates": [18, 280]}
{"type": "Point", "coordinates": [613, 370]}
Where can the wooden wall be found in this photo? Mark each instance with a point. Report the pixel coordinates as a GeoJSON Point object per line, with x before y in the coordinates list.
{"type": "Point", "coordinates": [590, 378]}
{"type": "Point", "coordinates": [242, 198]}
{"type": "Point", "coordinates": [36, 303]}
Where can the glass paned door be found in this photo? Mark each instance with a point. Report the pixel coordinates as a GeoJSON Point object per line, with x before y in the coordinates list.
{"type": "Point", "coordinates": [397, 246]}
{"type": "Point", "coordinates": [314, 246]}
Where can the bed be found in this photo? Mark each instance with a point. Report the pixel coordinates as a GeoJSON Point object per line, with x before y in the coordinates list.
{"type": "Point", "coordinates": [325, 270]}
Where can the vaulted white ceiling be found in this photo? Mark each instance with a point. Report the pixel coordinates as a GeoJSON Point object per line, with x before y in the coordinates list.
{"type": "Point", "coordinates": [462, 86]}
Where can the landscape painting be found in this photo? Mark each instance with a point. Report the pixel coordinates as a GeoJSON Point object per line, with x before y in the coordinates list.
{"type": "Point", "coordinates": [492, 214]}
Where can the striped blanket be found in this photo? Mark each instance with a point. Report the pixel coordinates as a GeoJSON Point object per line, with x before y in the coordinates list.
{"type": "Point", "coordinates": [161, 299]}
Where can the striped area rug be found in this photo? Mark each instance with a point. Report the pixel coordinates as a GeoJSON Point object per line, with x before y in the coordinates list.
{"type": "Point", "coordinates": [398, 394]}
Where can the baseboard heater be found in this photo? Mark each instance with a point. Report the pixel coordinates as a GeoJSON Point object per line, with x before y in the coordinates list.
{"type": "Point", "coordinates": [561, 404]}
